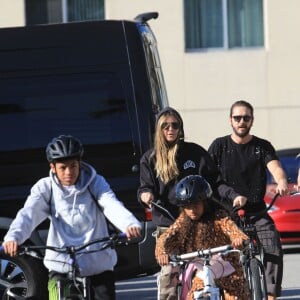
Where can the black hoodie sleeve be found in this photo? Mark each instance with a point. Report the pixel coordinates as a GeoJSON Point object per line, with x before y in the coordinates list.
{"type": "Point", "coordinates": [147, 176]}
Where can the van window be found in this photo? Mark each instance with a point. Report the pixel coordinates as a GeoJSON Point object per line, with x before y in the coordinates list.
{"type": "Point", "coordinates": [91, 107]}
{"type": "Point", "coordinates": [156, 78]}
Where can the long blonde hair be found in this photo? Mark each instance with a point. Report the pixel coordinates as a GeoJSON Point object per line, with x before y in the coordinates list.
{"type": "Point", "coordinates": [165, 153]}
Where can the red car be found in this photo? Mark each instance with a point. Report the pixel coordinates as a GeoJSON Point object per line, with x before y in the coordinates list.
{"type": "Point", "coordinates": [286, 210]}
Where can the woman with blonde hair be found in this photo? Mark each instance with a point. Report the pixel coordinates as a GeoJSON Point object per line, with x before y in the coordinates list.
{"type": "Point", "coordinates": [163, 166]}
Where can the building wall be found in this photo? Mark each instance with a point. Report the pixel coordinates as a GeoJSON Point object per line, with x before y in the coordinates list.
{"type": "Point", "coordinates": [203, 85]}
{"type": "Point", "coordinates": [12, 13]}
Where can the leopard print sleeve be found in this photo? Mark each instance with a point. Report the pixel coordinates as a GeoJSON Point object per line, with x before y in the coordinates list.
{"type": "Point", "coordinates": [229, 227]}
{"type": "Point", "coordinates": [169, 242]}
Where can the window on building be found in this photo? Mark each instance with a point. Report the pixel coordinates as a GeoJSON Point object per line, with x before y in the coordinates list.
{"type": "Point", "coordinates": [62, 11]}
{"type": "Point", "coordinates": [223, 23]}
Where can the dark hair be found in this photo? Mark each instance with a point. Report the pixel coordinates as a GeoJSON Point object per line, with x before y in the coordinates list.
{"type": "Point", "coordinates": [241, 103]}
{"type": "Point", "coordinates": [64, 147]}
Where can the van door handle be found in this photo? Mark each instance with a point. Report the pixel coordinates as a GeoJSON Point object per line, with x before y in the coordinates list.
{"type": "Point", "coordinates": [135, 168]}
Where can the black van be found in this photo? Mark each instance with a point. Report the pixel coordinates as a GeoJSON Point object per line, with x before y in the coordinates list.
{"type": "Point", "coordinates": [99, 81]}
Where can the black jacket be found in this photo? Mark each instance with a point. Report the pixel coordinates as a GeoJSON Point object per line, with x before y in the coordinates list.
{"type": "Point", "coordinates": [191, 159]}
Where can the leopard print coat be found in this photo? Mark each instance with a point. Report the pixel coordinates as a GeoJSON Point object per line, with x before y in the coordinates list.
{"type": "Point", "coordinates": [212, 230]}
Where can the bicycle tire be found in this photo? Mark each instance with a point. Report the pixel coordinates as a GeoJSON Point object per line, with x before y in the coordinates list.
{"type": "Point", "coordinates": [179, 291]}
{"type": "Point", "coordinates": [73, 297]}
{"type": "Point", "coordinates": [256, 279]}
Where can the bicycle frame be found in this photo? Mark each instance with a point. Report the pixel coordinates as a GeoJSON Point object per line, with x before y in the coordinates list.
{"type": "Point", "coordinates": [210, 289]}
{"type": "Point", "coordinates": [252, 265]}
{"type": "Point", "coordinates": [72, 282]}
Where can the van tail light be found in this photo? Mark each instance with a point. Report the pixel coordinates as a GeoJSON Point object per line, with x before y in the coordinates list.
{"type": "Point", "coordinates": [148, 214]}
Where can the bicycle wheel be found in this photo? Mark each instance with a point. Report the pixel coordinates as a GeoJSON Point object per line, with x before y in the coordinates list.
{"type": "Point", "coordinates": [256, 280]}
{"type": "Point", "coordinates": [73, 297]}
{"type": "Point", "coordinates": [179, 291]}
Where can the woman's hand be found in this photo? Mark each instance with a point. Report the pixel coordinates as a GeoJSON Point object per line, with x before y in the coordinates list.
{"type": "Point", "coordinates": [239, 201]}
{"type": "Point", "coordinates": [147, 198]}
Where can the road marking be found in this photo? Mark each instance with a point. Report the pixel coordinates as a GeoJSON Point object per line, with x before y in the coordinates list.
{"type": "Point", "coordinates": [119, 283]}
{"type": "Point", "coordinates": [134, 290]}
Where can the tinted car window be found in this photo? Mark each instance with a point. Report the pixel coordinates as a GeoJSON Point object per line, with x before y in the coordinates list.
{"type": "Point", "coordinates": [90, 106]}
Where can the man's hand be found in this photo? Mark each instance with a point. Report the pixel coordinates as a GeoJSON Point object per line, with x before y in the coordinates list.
{"type": "Point", "coordinates": [276, 170]}
{"type": "Point", "coordinates": [298, 178]}
{"type": "Point", "coordinates": [239, 201]}
{"type": "Point", "coordinates": [10, 247]}
{"type": "Point", "coordinates": [147, 198]}
{"type": "Point", "coordinates": [282, 187]}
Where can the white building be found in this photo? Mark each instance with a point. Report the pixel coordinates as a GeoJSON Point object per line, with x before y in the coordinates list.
{"type": "Point", "coordinates": [257, 59]}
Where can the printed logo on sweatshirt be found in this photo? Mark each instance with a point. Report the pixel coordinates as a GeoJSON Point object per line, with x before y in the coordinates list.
{"type": "Point", "coordinates": [189, 164]}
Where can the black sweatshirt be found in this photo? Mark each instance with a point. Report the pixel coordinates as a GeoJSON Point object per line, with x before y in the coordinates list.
{"type": "Point", "coordinates": [191, 159]}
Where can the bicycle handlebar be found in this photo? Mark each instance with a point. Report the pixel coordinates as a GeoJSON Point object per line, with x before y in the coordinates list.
{"type": "Point", "coordinates": [163, 210]}
{"type": "Point", "coordinates": [242, 213]}
{"type": "Point", "coordinates": [202, 253]}
{"type": "Point", "coordinates": [73, 249]}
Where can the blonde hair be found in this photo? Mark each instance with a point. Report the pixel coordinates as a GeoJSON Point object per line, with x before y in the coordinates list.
{"type": "Point", "coordinates": [165, 153]}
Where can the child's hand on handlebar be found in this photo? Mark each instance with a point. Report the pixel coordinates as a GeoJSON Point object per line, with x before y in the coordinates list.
{"type": "Point", "coordinates": [237, 243]}
{"type": "Point", "coordinates": [10, 247]}
{"type": "Point", "coordinates": [162, 259]}
{"type": "Point", "coordinates": [133, 232]}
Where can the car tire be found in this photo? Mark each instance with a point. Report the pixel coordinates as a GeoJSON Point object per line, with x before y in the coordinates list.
{"type": "Point", "coordinates": [23, 277]}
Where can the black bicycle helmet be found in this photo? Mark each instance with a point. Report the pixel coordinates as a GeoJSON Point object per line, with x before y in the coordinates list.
{"type": "Point", "coordinates": [191, 189]}
{"type": "Point", "coordinates": [62, 147]}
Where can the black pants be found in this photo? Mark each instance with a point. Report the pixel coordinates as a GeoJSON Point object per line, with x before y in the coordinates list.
{"type": "Point", "coordinates": [102, 286]}
{"type": "Point", "coordinates": [273, 255]}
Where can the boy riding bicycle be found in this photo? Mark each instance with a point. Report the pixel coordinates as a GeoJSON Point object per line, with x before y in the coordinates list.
{"type": "Point", "coordinates": [77, 200]}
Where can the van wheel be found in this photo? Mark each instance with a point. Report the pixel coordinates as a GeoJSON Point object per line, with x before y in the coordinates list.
{"type": "Point", "coordinates": [22, 277]}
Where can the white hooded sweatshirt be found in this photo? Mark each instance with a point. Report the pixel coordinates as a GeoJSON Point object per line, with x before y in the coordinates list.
{"type": "Point", "coordinates": [75, 219]}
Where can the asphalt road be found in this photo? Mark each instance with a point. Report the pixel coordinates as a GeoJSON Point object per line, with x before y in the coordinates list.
{"type": "Point", "coordinates": [291, 274]}
{"type": "Point", "coordinates": [144, 288]}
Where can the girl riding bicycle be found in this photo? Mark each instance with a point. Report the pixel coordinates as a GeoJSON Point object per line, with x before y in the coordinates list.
{"type": "Point", "coordinates": [201, 226]}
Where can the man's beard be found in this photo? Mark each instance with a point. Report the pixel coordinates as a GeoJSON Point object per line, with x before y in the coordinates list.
{"type": "Point", "coordinates": [243, 134]}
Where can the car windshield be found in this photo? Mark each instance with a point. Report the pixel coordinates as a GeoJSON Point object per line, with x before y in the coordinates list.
{"type": "Point", "coordinates": [290, 165]}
